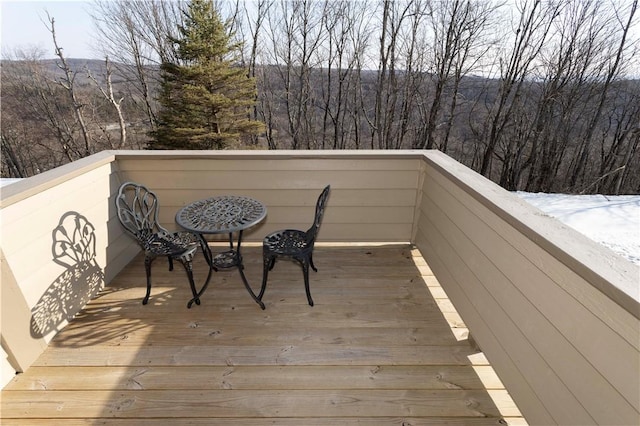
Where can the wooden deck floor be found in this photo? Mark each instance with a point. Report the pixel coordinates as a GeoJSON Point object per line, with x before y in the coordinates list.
{"type": "Point", "coordinates": [382, 346]}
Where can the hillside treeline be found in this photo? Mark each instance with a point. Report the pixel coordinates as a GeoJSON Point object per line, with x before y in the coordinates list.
{"type": "Point", "coordinates": [542, 96]}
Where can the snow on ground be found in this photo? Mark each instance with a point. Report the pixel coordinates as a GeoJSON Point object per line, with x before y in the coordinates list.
{"type": "Point", "coordinates": [613, 221]}
{"type": "Point", "coordinates": [7, 181]}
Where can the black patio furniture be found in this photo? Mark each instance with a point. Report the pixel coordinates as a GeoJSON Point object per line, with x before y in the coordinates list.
{"type": "Point", "coordinates": [294, 244]}
{"type": "Point", "coordinates": [225, 214]}
{"type": "Point", "coordinates": [138, 209]}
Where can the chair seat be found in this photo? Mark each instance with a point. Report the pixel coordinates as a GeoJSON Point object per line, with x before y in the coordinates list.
{"type": "Point", "coordinates": [175, 244]}
{"type": "Point", "coordinates": [286, 242]}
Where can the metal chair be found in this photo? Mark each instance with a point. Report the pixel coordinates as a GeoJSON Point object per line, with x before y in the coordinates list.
{"type": "Point", "coordinates": [137, 208]}
{"type": "Point", "coordinates": [294, 244]}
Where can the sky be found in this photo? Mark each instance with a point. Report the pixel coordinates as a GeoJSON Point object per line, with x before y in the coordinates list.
{"type": "Point", "coordinates": [23, 26]}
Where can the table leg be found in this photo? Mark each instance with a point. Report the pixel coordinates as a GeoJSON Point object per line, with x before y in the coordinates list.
{"type": "Point", "coordinates": [206, 251]}
{"type": "Point", "coordinates": [240, 266]}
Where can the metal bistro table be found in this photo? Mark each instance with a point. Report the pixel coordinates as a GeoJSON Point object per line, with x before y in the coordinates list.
{"type": "Point", "coordinates": [222, 215]}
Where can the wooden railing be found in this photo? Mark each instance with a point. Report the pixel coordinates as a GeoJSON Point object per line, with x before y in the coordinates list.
{"type": "Point", "coordinates": [556, 314]}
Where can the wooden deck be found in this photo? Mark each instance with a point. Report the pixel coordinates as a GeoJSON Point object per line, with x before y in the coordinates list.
{"type": "Point", "coordinates": [381, 346]}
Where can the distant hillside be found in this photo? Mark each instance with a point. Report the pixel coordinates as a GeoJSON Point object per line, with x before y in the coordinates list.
{"type": "Point", "coordinates": [534, 144]}
{"type": "Point", "coordinates": [81, 67]}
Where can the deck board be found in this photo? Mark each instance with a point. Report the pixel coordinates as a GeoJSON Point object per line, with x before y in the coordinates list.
{"type": "Point", "coordinates": [375, 349]}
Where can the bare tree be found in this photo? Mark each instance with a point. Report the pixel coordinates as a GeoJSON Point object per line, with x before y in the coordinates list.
{"type": "Point", "coordinates": [564, 97]}
{"type": "Point", "coordinates": [347, 27]}
{"type": "Point", "coordinates": [295, 32]}
{"type": "Point", "coordinates": [19, 155]}
{"type": "Point", "coordinates": [248, 26]}
{"type": "Point", "coordinates": [619, 145]}
{"type": "Point", "coordinates": [558, 100]}
{"type": "Point", "coordinates": [462, 35]}
{"type": "Point", "coordinates": [109, 95]}
{"type": "Point", "coordinates": [612, 70]}
{"type": "Point", "coordinates": [412, 66]}
{"type": "Point", "coordinates": [531, 33]}
{"type": "Point", "coordinates": [68, 83]}
{"type": "Point", "coordinates": [136, 35]}
{"type": "Point", "coordinates": [385, 109]}
{"type": "Point", "coordinates": [38, 129]}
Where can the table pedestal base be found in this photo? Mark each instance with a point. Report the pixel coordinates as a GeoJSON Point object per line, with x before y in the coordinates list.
{"type": "Point", "coordinates": [224, 260]}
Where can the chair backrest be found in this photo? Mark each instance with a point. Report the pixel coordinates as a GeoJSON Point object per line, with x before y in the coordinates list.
{"type": "Point", "coordinates": [320, 205]}
{"type": "Point", "coordinates": [137, 208]}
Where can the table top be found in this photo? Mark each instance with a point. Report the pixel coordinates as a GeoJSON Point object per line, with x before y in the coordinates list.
{"type": "Point", "coordinates": [223, 214]}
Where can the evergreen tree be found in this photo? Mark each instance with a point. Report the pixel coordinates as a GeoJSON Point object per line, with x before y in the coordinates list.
{"type": "Point", "coordinates": [206, 98]}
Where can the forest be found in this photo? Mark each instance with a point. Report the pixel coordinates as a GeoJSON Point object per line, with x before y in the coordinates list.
{"type": "Point", "coordinates": [540, 96]}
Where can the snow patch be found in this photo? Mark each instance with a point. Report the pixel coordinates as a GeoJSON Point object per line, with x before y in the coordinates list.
{"type": "Point", "coordinates": [613, 221]}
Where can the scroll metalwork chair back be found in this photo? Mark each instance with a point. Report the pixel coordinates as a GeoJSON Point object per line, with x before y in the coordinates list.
{"type": "Point", "coordinates": [295, 244]}
{"type": "Point", "coordinates": [138, 209]}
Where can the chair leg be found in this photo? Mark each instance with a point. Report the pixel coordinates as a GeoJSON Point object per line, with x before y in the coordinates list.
{"type": "Point", "coordinates": [311, 263]}
{"type": "Point", "coordinates": [188, 266]}
{"type": "Point", "coordinates": [147, 267]}
{"type": "Point", "coordinates": [267, 266]}
{"type": "Point", "coordinates": [305, 270]}
{"type": "Point", "coordinates": [170, 263]}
